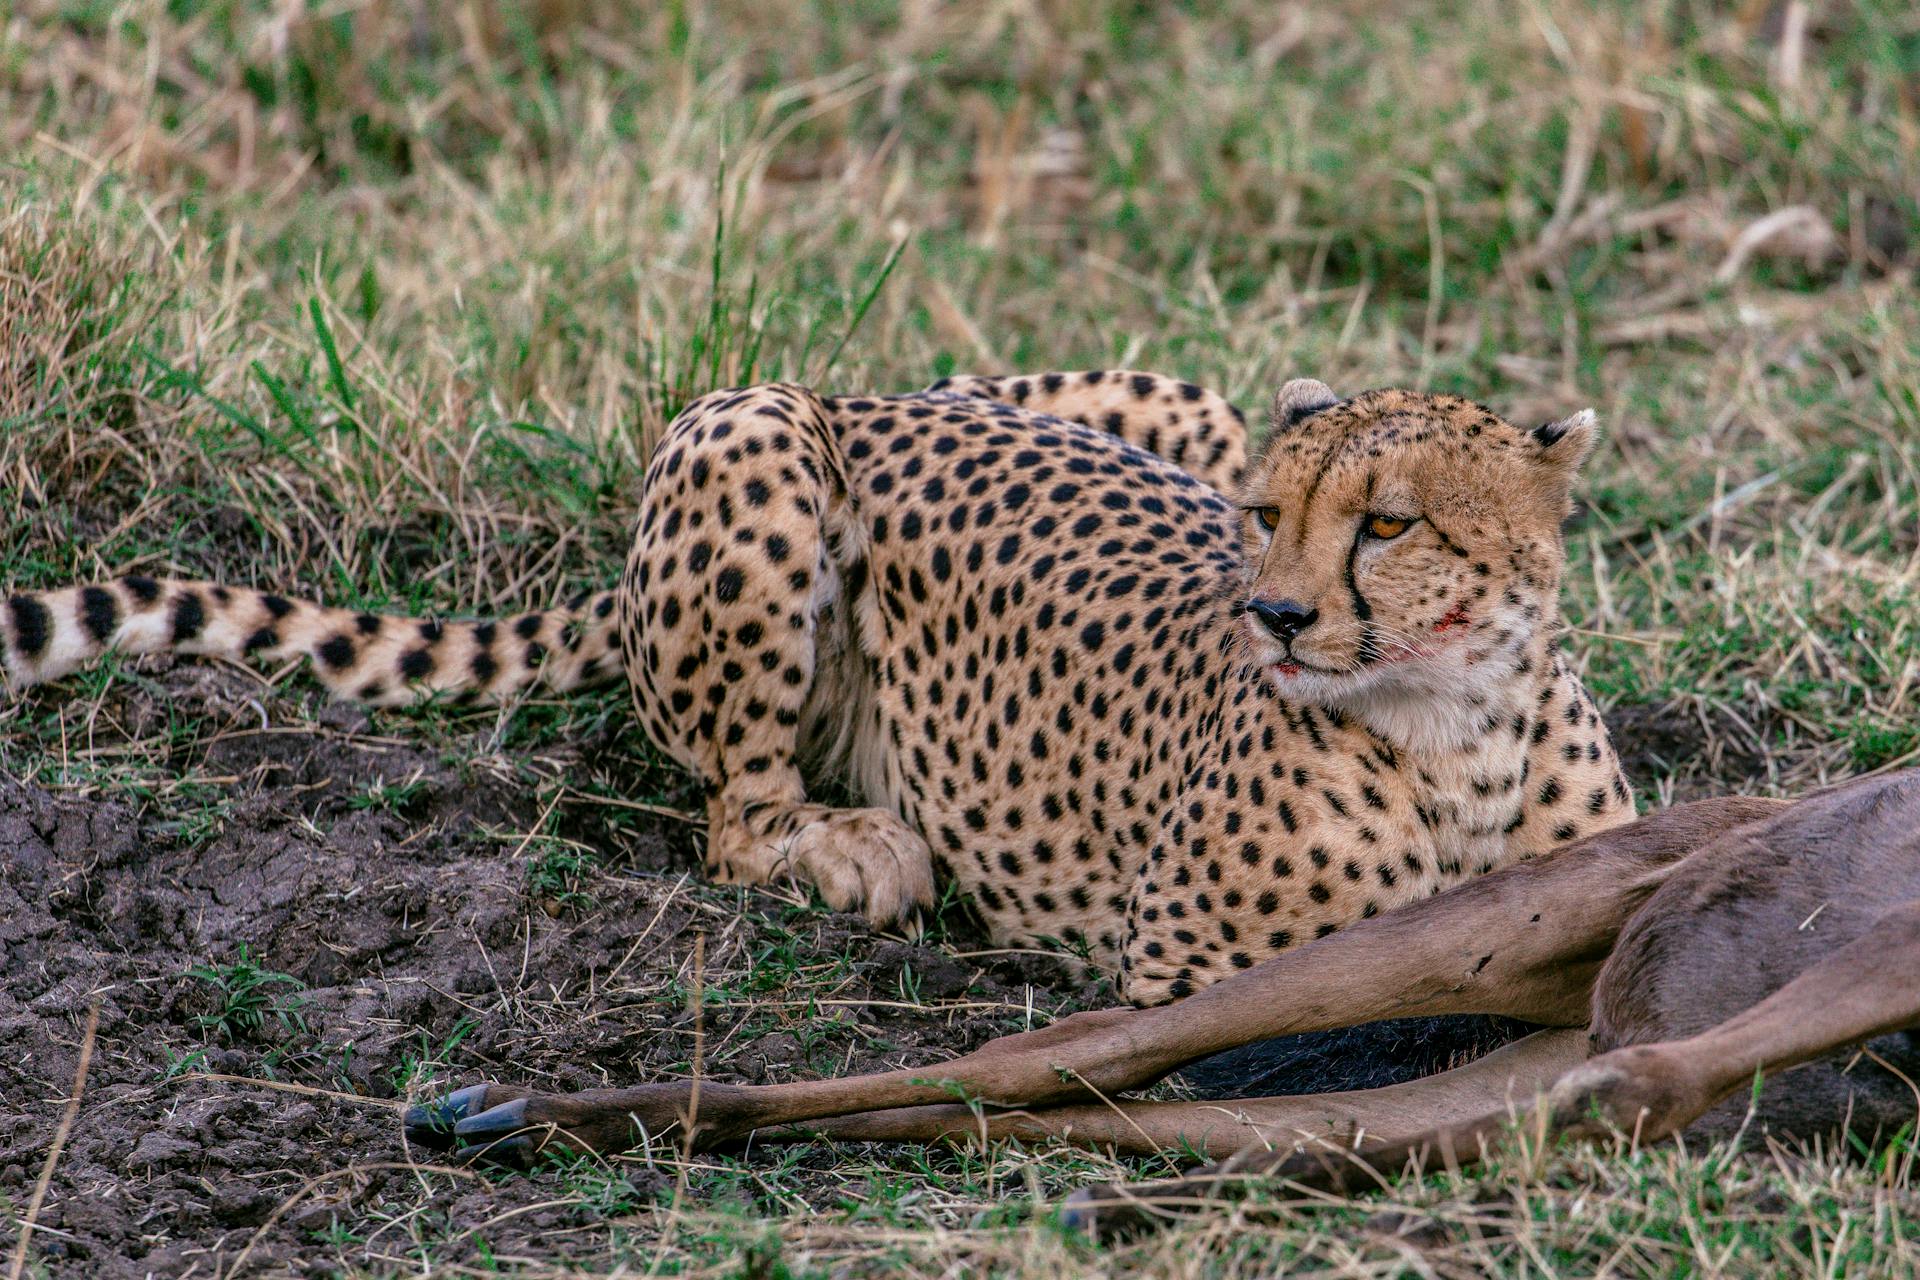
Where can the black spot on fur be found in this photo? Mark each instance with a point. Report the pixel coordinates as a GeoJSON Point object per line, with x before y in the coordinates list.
{"type": "Point", "coordinates": [189, 618]}
{"type": "Point", "coordinates": [99, 613]}
{"type": "Point", "coordinates": [32, 626]}
{"type": "Point", "coordinates": [337, 653]}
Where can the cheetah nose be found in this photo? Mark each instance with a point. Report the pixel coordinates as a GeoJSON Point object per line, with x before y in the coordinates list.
{"type": "Point", "coordinates": [1284, 618]}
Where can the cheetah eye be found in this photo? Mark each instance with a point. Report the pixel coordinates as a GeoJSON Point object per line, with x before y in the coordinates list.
{"type": "Point", "coordinates": [1269, 516]}
{"type": "Point", "coordinates": [1384, 527]}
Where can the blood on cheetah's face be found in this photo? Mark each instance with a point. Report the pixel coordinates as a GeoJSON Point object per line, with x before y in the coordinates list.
{"type": "Point", "coordinates": [1400, 544]}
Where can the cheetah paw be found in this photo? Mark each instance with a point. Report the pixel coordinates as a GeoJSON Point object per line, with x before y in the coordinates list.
{"type": "Point", "coordinates": [865, 860]}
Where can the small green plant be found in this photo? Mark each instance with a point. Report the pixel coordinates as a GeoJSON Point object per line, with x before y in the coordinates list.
{"type": "Point", "coordinates": [179, 1064]}
{"type": "Point", "coordinates": [336, 1233]}
{"type": "Point", "coordinates": [389, 797]}
{"type": "Point", "coordinates": [603, 1190]}
{"type": "Point", "coordinates": [909, 984]}
{"type": "Point", "coordinates": [419, 1068]}
{"type": "Point", "coordinates": [248, 999]}
{"type": "Point", "coordinates": [558, 868]}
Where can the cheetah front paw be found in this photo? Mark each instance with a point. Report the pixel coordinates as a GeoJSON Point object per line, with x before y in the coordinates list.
{"type": "Point", "coordinates": [865, 860]}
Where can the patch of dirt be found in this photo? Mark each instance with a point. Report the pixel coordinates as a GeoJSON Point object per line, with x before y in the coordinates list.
{"type": "Point", "coordinates": [1697, 751]}
{"type": "Point", "coordinates": [388, 881]}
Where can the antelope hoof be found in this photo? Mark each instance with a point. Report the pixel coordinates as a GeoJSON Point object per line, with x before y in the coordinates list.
{"type": "Point", "coordinates": [431, 1124]}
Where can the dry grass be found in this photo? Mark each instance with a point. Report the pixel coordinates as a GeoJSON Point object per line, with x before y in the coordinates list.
{"type": "Point", "coordinates": [384, 300]}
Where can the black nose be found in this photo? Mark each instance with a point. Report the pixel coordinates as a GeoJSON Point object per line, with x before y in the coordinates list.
{"type": "Point", "coordinates": [1284, 618]}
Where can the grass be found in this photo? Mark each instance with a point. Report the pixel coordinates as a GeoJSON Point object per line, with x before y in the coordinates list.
{"type": "Point", "coordinates": [386, 301]}
{"type": "Point", "coordinates": [248, 1003]}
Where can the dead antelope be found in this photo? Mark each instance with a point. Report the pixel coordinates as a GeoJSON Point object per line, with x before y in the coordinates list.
{"type": "Point", "coordinates": [1672, 961]}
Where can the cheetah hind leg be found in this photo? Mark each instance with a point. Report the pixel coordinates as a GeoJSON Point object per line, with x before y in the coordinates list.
{"type": "Point", "coordinates": [736, 604]}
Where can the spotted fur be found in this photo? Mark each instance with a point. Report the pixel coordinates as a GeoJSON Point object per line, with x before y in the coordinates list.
{"type": "Point", "coordinates": [377, 659]}
{"type": "Point", "coordinates": [1003, 616]}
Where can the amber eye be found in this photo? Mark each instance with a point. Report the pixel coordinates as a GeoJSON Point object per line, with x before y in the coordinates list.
{"type": "Point", "coordinates": [1384, 527]}
{"type": "Point", "coordinates": [1269, 516]}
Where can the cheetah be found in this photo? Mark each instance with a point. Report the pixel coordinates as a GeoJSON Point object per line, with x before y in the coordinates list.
{"type": "Point", "coordinates": [1132, 692]}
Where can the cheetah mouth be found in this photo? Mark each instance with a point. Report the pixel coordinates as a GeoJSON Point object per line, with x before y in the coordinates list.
{"type": "Point", "coordinates": [1289, 667]}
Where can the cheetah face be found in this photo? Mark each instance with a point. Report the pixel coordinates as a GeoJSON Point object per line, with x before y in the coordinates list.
{"type": "Point", "coordinates": [1401, 545]}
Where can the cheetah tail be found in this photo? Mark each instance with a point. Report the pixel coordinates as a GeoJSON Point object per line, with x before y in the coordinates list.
{"type": "Point", "coordinates": [362, 657]}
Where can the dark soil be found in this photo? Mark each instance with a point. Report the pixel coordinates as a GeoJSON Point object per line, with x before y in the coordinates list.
{"type": "Point", "coordinates": [1698, 752]}
{"type": "Point", "coordinates": [417, 953]}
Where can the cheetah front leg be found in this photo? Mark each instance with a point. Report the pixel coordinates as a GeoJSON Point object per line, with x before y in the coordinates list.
{"type": "Point", "coordinates": [735, 639]}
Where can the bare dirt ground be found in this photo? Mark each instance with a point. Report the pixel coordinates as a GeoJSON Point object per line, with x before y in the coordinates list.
{"type": "Point", "coordinates": [226, 1123]}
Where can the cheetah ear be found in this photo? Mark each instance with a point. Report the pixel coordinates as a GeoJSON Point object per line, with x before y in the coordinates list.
{"type": "Point", "coordinates": [1299, 400]}
{"type": "Point", "coordinates": [1563, 445]}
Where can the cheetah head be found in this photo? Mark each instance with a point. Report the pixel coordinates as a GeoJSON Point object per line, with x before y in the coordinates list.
{"type": "Point", "coordinates": [1404, 551]}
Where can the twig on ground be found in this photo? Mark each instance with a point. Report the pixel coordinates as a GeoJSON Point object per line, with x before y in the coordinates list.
{"type": "Point", "coordinates": [60, 1136]}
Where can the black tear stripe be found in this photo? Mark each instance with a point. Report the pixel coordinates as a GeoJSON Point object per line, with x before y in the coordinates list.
{"type": "Point", "coordinates": [32, 626]}
{"type": "Point", "coordinates": [1369, 651]}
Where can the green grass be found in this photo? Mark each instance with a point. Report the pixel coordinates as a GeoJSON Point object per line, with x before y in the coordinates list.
{"type": "Point", "coordinates": [386, 302]}
{"type": "Point", "coordinates": [250, 1004]}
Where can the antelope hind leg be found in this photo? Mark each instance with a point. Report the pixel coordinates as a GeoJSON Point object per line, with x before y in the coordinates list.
{"type": "Point", "coordinates": [1512, 1074]}
{"type": "Point", "coordinates": [1866, 988]}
